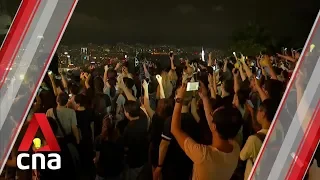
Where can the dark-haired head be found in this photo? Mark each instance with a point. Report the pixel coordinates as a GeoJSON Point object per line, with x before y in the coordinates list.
{"type": "Point", "coordinates": [267, 111]}
{"type": "Point", "coordinates": [274, 89]}
{"type": "Point", "coordinates": [165, 107]}
{"type": "Point", "coordinates": [128, 82]}
{"type": "Point", "coordinates": [74, 89]}
{"type": "Point", "coordinates": [98, 85]}
{"type": "Point", "coordinates": [132, 109]}
{"type": "Point", "coordinates": [62, 99]}
{"type": "Point", "coordinates": [80, 100]}
{"type": "Point", "coordinates": [227, 122]}
{"type": "Point", "coordinates": [109, 131]}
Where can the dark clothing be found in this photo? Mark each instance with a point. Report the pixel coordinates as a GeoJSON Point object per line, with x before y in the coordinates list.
{"type": "Point", "coordinates": [67, 170]}
{"type": "Point", "coordinates": [225, 101]}
{"type": "Point", "coordinates": [177, 164]}
{"type": "Point", "coordinates": [111, 161]}
{"type": "Point", "coordinates": [136, 140]}
{"type": "Point", "coordinates": [84, 120]}
{"type": "Point", "coordinates": [155, 137]}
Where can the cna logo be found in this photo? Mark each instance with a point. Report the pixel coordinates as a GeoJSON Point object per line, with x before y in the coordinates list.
{"type": "Point", "coordinates": [46, 155]}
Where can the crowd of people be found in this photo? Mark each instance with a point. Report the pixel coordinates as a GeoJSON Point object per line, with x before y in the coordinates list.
{"type": "Point", "coordinates": [117, 125]}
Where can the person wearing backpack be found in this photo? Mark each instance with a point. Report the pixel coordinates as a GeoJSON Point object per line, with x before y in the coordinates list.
{"type": "Point", "coordinates": [253, 144]}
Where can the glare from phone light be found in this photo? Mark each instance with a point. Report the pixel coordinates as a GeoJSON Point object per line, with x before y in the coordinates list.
{"type": "Point", "coordinates": [234, 53]}
{"type": "Point", "coordinates": [21, 77]}
{"type": "Point", "coordinates": [202, 55]}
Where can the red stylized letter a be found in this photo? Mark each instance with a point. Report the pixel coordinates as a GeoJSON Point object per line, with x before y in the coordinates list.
{"type": "Point", "coordinates": [39, 120]}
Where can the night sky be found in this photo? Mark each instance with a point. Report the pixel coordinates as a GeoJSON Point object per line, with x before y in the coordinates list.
{"type": "Point", "coordinates": [209, 22]}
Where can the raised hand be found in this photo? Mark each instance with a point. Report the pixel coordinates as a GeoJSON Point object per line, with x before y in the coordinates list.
{"type": "Point", "coordinates": [145, 85]}
{"type": "Point", "coordinates": [235, 72]}
{"type": "Point", "coordinates": [159, 78]}
{"type": "Point", "coordinates": [181, 91]}
{"type": "Point", "coordinates": [203, 91]}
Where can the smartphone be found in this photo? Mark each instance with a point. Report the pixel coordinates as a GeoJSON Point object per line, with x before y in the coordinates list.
{"type": "Point", "coordinates": [250, 103]}
{"type": "Point", "coordinates": [49, 72]}
{"type": "Point", "coordinates": [259, 73]}
{"type": "Point", "coordinates": [171, 54]}
{"type": "Point", "coordinates": [192, 86]}
{"type": "Point", "coordinates": [147, 80]}
{"type": "Point", "coordinates": [70, 95]}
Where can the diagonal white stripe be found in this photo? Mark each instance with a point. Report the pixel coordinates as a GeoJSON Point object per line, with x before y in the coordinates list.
{"type": "Point", "coordinates": [299, 118]}
{"type": "Point", "coordinates": [274, 123]}
{"type": "Point", "coordinates": [26, 59]}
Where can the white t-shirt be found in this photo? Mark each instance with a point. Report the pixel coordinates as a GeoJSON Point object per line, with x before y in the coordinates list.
{"type": "Point", "coordinates": [251, 150]}
{"type": "Point", "coordinates": [209, 163]}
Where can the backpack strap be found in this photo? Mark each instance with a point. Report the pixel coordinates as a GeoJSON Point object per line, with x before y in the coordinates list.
{"type": "Point", "coordinates": [58, 121]}
{"type": "Point", "coordinates": [261, 136]}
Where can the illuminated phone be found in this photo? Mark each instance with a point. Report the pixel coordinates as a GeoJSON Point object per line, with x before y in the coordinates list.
{"type": "Point", "coordinates": [259, 74]}
{"type": "Point", "coordinates": [49, 72]}
{"type": "Point", "coordinates": [250, 103]}
{"type": "Point", "coordinates": [192, 86]}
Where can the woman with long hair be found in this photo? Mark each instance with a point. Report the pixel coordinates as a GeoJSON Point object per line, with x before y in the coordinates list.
{"type": "Point", "coordinates": [109, 158]}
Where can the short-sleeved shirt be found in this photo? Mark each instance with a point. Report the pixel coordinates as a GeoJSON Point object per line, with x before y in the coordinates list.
{"type": "Point", "coordinates": [136, 140]}
{"type": "Point", "coordinates": [84, 120]}
{"type": "Point", "coordinates": [67, 119]}
{"type": "Point", "coordinates": [250, 151]}
{"type": "Point", "coordinates": [210, 163]}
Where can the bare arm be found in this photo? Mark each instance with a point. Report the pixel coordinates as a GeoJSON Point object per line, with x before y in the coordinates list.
{"type": "Point", "coordinates": [64, 81]}
{"type": "Point", "coordinates": [194, 109]}
{"type": "Point", "coordinates": [262, 94]}
{"type": "Point", "coordinates": [54, 86]}
{"type": "Point", "coordinates": [176, 130]}
{"type": "Point", "coordinates": [242, 74]}
{"type": "Point", "coordinates": [163, 148]}
{"type": "Point", "coordinates": [146, 100]}
{"type": "Point", "coordinates": [105, 75]}
{"type": "Point", "coordinates": [289, 58]}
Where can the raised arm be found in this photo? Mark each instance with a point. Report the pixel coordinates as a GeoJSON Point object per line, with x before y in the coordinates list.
{"type": "Point", "coordinates": [160, 87]}
{"type": "Point", "coordinates": [236, 83]}
{"type": "Point", "coordinates": [53, 83]}
{"type": "Point", "coordinates": [105, 75]}
{"type": "Point", "coordinates": [203, 93]}
{"type": "Point", "coordinates": [146, 100]}
{"type": "Point", "coordinates": [126, 91]}
{"type": "Point", "coordinates": [176, 130]}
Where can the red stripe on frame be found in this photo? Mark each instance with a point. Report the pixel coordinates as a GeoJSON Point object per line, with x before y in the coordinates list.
{"type": "Point", "coordinates": [307, 148]}
{"type": "Point", "coordinates": [12, 44]}
{"type": "Point", "coordinates": [16, 34]}
{"type": "Point", "coordinates": [289, 86]}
